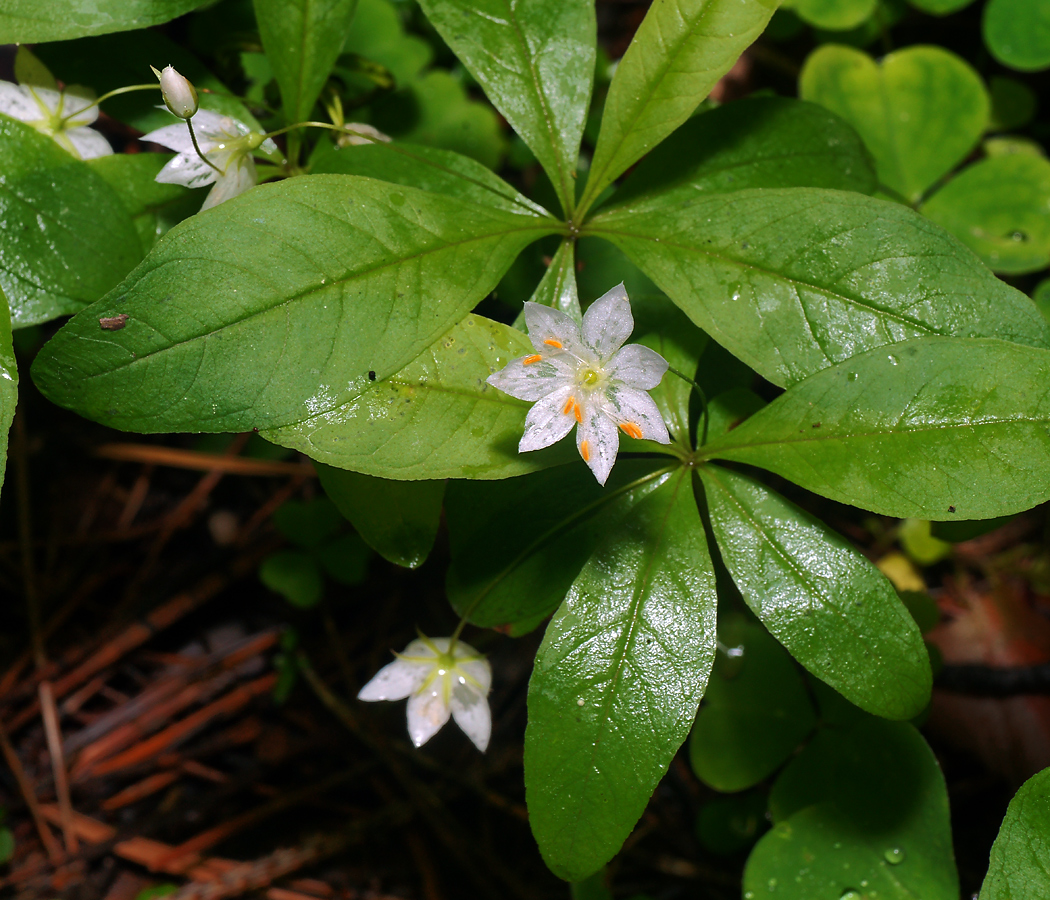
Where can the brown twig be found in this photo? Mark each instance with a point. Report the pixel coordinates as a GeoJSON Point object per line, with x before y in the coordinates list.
{"type": "Point", "coordinates": [53, 734]}
{"type": "Point", "coordinates": [51, 847]}
{"type": "Point", "coordinates": [206, 462]}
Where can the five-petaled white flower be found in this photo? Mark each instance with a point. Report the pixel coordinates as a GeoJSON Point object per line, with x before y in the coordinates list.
{"type": "Point", "coordinates": [438, 681]}
{"type": "Point", "coordinates": [586, 379]}
{"type": "Point", "coordinates": [63, 115]}
{"type": "Point", "coordinates": [227, 143]}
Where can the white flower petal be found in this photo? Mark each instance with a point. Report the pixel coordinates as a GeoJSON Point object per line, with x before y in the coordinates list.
{"type": "Point", "coordinates": [471, 711]}
{"type": "Point", "coordinates": [16, 102]}
{"type": "Point", "coordinates": [637, 367]}
{"type": "Point", "coordinates": [89, 143]}
{"type": "Point", "coordinates": [78, 106]}
{"type": "Point", "coordinates": [395, 681]}
{"type": "Point", "coordinates": [608, 322]}
{"type": "Point", "coordinates": [477, 671]}
{"type": "Point", "coordinates": [547, 324]}
{"type": "Point", "coordinates": [635, 410]}
{"type": "Point", "coordinates": [213, 124]}
{"type": "Point", "coordinates": [47, 100]}
{"type": "Point", "coordinates": [547, 421]}
{"type": "Point", "coordinates": [427, 713]}
{"type": "Point", "coordinates": [598, 441]}
{"type": "Point", "coordinates": [188, 169]}
{"type": "Point", "coordinates": [238, 178]}
{"type": "Point", "coordinates": [533, 381]}
{"type": "Point", "coordinates": [175, 137]}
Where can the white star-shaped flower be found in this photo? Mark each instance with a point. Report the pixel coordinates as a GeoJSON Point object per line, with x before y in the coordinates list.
{"type": "Point", "coordinates": [438, 682]}
{"type": "Point", "coordinates": [227, 143]}
{"type": "Point", "coordinates": [586, 379]}
{"type": "Point", "coordinates": [63, 115]}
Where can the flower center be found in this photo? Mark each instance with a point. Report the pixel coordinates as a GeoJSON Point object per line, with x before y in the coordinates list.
{"type": "Point", "coordinates": [589, 377]}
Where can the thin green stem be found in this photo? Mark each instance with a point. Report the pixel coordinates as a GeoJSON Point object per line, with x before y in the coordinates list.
{"type": "Point", "coordinates": [342, 129]}
{"type": "Point", "coordinates": [114, 93]}
{"type": "Point", "coordinates": [196, 147]}
{"type": "Point", "coordinates": [703, 401]}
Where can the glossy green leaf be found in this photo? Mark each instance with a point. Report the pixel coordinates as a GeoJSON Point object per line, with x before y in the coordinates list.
{"type": "Point", "coordinates": [834, 611]}
{"type": "Point", "coordinates": [756, 711]}
{"type": "Point", "coordinates": [30, 21]}
{"type": "Point", "coordinates": [834, 15]}
{"type": "Point", "coordinates": [113, 61]}
{"type": "Point", "coordinates": [154, 208]}
{"type": "Point", "coordinates": [294, 575]}
{"type": "Point", "coordinates": [557, 288]}
{"type": "Point", "coordinates": [302, 39]}
{"type": "Point", "coordinates": [940, 7]}
{"type": "Point", "coordinates": [429, 169]}
{"type": "Point", "coordinates": [617, 681]}
{"type": "Point", "coordinates": [767, 142]}
{"type": "Point", "coordinates": [1020, 865]}
{"type": "Point", "coordinates": [660, 325]}
{"type": "Point", "coordinates": [862, 812]}
{"type": "Point", "coordinates": [8, 388]}
{"type": "Point", "coordinates": [728, 824]}
{"type": "Point", "coordinates": [535, 61]}
{"type": "Point", "coordinates": [66, 238]}
{"type": "Point", "coordinates": [1017, 32]}
{"type": "Point", "coordinates": [936, 429]}
{"type": "Point", "coordinates": [920, 111]}
{"type": "Point", "coordinates": [276, 305]}
{"type": "Point", "coordinates": [517, 545]}
{"type": "Point", "coordinates": [791, 281]}
{"type": "Point", "coordinates": [999, 208]}
{"type": "Point", "coordinates": [345, 559]}
{"type": "Point", "coordinates": [435, 109]}
{"type": "Point", "coordinates": [435, 418]}
{"type": "Point", "coordinates": [678, 54]}
{"type": "Point", "coordinates": [728, 409]}
{"type": "Point", "coordinates": [397, 519]}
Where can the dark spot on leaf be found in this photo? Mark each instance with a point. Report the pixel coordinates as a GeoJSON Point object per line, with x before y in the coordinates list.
{"type": "Point", "coordinates": [816, 425]}
{"type": "Point", "coordinates": [951, 509]}
{"type": "Point", "coordinates": [113, 323]}
{"type": "Point", "coordinates": [371, 375]}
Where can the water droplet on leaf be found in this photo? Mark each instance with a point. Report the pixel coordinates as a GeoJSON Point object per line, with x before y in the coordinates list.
{"type": "Point", "coordinates": [894, 856]}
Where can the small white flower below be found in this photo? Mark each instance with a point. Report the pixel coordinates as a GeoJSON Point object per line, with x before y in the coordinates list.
{"type": "Point", "coordinates": [587, 378]}
{"type": "Point", "coordinates": [63, 115]}
{"type": "Point", "coordinates": [228, 145]}
{"type": "Point", "coordinates": [438, 684]}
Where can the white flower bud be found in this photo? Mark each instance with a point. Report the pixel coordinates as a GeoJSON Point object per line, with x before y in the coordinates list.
{"type": "Point", "coordinates": [179, 95]}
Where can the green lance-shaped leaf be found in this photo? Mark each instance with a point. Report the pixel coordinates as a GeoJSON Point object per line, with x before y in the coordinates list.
{"type": "Point", "coordinates": [276, 305]}
{"type": "Point", "coordinates": [1020, 865]}
{"type": "Point", "coordinates": [397, 519]}
{"type": "Point", "coordinates": [435, 418]}
{"type": "Point", "coordinates": [999, 208]}
{"type": "Point", "coordinates": [832, 609]}
{"type": "Point", "coordinates": [8, 383]}
{"type": "Point", "coordinates": [518, 544]}
{"type": "Point", "coordinates": [617, 680]}
{"type": "Point", "coordinates": [940, 7]}
{"type": "Point", "coordinates": [30, 21]}
{"type": "Point", "coordinates": [67, 237]}
{"type": "Point", "coordinates": [112, 61]}
{"type": "Point", "coordinates": [557, 288]}
{"type": "Point", "coordinates": [302, 39]}
{"type": "Point", "coordinates": [833, 15]}
{"type": "Point", "coordinates": [755, 714]}
{"type": "Point", "coordinates": [1017, 32]}
{"type": "Point", "coordinates": [938, 429]}
{"type": "Point", "coordinates": [154, 207]}
{"type": "Point", "coordinates": [920, 111]}
{"type": "Point", "coordinates": [429, 169]}
{"type": "Point", "coordinates": [766, 142]}
{"type": "Point", "coordinates": [535, 61]}
{"type": "Point", "coordinates": [792, 281]}
{"type": "Point", "coordinates": [862, 812]}
{"type": "Point", "coordinates": [680, 51]}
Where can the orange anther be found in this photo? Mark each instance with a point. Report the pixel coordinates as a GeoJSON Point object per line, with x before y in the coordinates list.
{"type": "Point", "coordinates": [631, 430]}
{"type": "Point", "coordinates": [550, 342]}
{"type": "Point", "coordinates": [579, 414]}
{"type": "Point", "coordinates": [529, 360]}
{"type": "Point", "coordinates": [585, 450]}
{"type": "Point", "coordinates": [569, 404]}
